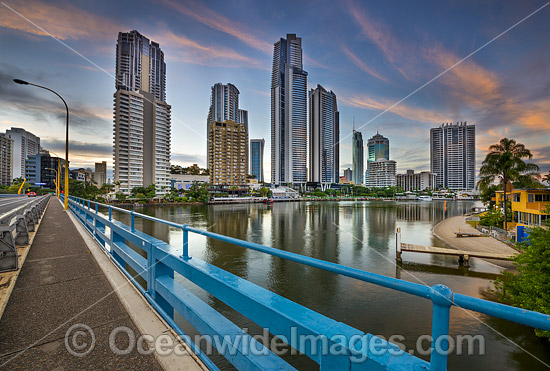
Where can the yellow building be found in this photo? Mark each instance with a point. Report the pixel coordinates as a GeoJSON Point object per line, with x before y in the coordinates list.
{"type": "Point", "coordinates": [528, 205]}
{"type": "Point", "coordinates": [228, 153]}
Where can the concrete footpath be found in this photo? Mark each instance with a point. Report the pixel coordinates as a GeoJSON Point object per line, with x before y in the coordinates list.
{"type": "Point", "coordinates": [446, 229]}
{"type": "Point", "coordinates": [61, 285]}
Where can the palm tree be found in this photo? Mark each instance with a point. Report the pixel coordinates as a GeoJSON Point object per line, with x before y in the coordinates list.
{"type": "Point", "coordinates": [546, 178]}
{"type": "Point", "coordinates": [505, 162]}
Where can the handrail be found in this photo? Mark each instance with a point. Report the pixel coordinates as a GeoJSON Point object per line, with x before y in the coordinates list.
{"type": "Point", "coordinates": [441, 296]}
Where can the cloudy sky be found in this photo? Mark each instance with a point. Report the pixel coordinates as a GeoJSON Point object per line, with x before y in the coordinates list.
{"type": "Point", "coordinates": [372, 54]}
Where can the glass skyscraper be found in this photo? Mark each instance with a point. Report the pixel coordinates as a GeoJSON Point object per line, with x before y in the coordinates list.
{"type": "Point", "coordinates": [288, 113]}
{"type": "Point", "coordinates": [324, 161]}
{"type": "Point", "coordinates": [378, 147]}
{"type": "Point", "coordinates": [257, 158]}
{"type": "Point", "coordinates": [357, 158]}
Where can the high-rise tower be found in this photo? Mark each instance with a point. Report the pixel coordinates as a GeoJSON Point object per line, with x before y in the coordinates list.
{"type": "Point", "coordinates": [224, 105]}
{"type": "Point", "coordinates": [380, 169]}
{"type": "Point", "coordinates": [142, 127]}
{"type": "Point", "coordinates": [24, 144]}
{"type": "Point", "coordinates": [357, 158]}
{"type": "Point", "coordinates": [453, 155]}
{"type": "Point", "coordinates": [324, 122]}
{"type": "Point", "coordinates": [288, 113]}
{"type": "Point", "coordinates": [257, 158]}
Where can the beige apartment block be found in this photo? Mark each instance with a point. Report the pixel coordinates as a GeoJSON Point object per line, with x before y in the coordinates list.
{"type": "Point", "coordinates": [228, 153]}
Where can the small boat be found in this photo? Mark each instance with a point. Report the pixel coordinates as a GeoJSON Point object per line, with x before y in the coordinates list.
{"type": "Point", "coordinates": [424, 198]}
{"type": "Point", "coordinates": [268, 201]}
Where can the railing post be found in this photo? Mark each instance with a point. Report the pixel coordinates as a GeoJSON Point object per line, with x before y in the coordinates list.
{"type": "Point", "coordinates": [132, 221]}
{"type": "Point", "coordinates": [398, 244]}
{"type": "Point", "coordinates": [442, 298]}
{"type": "Point", "coordinates": [110, 213]}
{"type": "Point", "coordinates": [88, 204]}
{"type": "Point", "coordinates": [96, 211]}
{"type": "Point", "coordinates": [185, 242]}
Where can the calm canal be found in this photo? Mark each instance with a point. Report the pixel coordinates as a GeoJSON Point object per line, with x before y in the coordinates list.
{"type": "Point", "coordinates": [359, 235]}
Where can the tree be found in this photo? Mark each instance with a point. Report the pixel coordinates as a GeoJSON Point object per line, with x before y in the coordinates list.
{"type": "Point", "coordinates": [530, 288]}
{"type": "Point", "coordinates": [121, 197]}
{"type": "Point", "coordinates": [264, 191]}
{"type": "Point", "coordinates": [505, 162]}
{"type": "Point", "coordinates": [199, 191]}
{"type": "Point", "coordinates": [546, 178]}
{"type": "Point", "coordinates": [486, 195]}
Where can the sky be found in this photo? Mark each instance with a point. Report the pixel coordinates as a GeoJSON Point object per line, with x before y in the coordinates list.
{"type": "Point", "coordinates": [397, 67]}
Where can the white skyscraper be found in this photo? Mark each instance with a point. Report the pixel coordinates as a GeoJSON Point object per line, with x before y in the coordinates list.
{"type": "Point", "coordinates": [24, 144]}
{"type": "Point", "coordinates": [323, 137]}
{"type": "Point", "coordinates": [453, 155]}
{"type": "Point", "coordinates": [288, 113]}
{"type": "Point", "coordinates": [142, 126]}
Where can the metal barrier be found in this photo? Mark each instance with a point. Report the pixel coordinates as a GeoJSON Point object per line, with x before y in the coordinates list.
{"type": "Point", "coordinates": [15, 226]}
{"type": "Point", "coordinates": [284, 318]}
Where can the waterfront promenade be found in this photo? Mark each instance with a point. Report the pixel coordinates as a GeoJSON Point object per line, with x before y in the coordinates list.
{"type": "Point", "coordinates": [446, 230]}
{"type": "Point", "coordinates": [60, 285]}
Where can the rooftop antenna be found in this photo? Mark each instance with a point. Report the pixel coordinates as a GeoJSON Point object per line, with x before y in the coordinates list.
{"type": "Point", "coordinates": [353, 123]}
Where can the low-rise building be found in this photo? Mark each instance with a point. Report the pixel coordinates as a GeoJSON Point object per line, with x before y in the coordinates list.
{"type": "Point", "coordinates": [185, 181]}
{"type": "Point", "coordinates": [528, 205]}
{"type": "Point", "coordinates": [39, 169]}
{"type": "Point", "coordinates": [411, 181]}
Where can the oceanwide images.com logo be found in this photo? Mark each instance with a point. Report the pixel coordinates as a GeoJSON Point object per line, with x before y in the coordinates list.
{"type": "Point", "coordinates": [80, 340]}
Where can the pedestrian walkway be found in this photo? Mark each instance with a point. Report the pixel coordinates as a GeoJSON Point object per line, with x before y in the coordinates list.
{"type": "Point", "coordinates": [61, 285]}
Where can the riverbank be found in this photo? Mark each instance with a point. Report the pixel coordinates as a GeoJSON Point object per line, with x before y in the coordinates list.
{"type": "Point", "coordinates": [446, 229]}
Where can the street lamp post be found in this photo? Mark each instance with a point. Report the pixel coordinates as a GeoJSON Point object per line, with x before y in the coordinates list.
{"type": "Point", "coordinates": [56, 181]}
{"type": "Point", "coordinates": [66, 196]}
{"type": "Point", "coordinates": [58, 173]}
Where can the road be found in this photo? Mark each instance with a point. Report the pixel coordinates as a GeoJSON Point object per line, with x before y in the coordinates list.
{"type": "Point", "coordinates": [10, 203]}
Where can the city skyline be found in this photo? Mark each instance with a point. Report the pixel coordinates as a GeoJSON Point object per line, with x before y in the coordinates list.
{"type": "Point", "coordinates": [377, 57]}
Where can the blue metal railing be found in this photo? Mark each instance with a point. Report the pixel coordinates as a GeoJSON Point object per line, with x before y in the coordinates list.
{"type": "Point", "coordinates": [269, 310]}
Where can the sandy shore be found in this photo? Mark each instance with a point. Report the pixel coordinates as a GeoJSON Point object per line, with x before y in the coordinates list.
{"type": "Point", "coordinates": [447, 228]}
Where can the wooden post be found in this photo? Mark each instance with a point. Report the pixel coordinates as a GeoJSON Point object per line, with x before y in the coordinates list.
{"type": "Point", "coordinates": [398, 245]}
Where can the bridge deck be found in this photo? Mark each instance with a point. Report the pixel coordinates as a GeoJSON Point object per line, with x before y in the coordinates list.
{"type": "Point", "coordinates": [61, 285]}
{"type": "Point", "coordinates": [443, 251]}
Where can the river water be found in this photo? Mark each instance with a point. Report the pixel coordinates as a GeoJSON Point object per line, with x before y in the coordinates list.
{"type": "Point", "coordinates": [359, 235]}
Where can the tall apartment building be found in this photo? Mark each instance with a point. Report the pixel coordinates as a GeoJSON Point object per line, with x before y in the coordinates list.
{"type": "Point", "coordinates": [324, 124]}
{"type": "Point", "coordinates": [99, 175]}
{"type": "Point", "coordinates": [453, 155]}
{"type": "Point", "coordinates": [380, 169]}
{"type": "Point", "coordinates": [6, 160]}
{"type": "Point", "coordinates": [24, 144]}
{"type": "Point", "coordinates": [381, 173]}
{"type": "Point", "coordinates": [411, 181]}
{"type": "Point", "coordinates": [224, 105]}
{"type": "Point", "coordinates": [288, 113]}
{"type": "Point", "coordinates": [257, 158]}
{"type": "Point", "coordinates": [142, 125]}
{"type": "Point", "coordinates": [228, 153]}
{"type": "Point", "coordinates": [357, 158]}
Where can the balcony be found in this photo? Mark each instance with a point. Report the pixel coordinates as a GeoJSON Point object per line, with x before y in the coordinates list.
{"type": "Point", "coordinates": [539, 206]}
